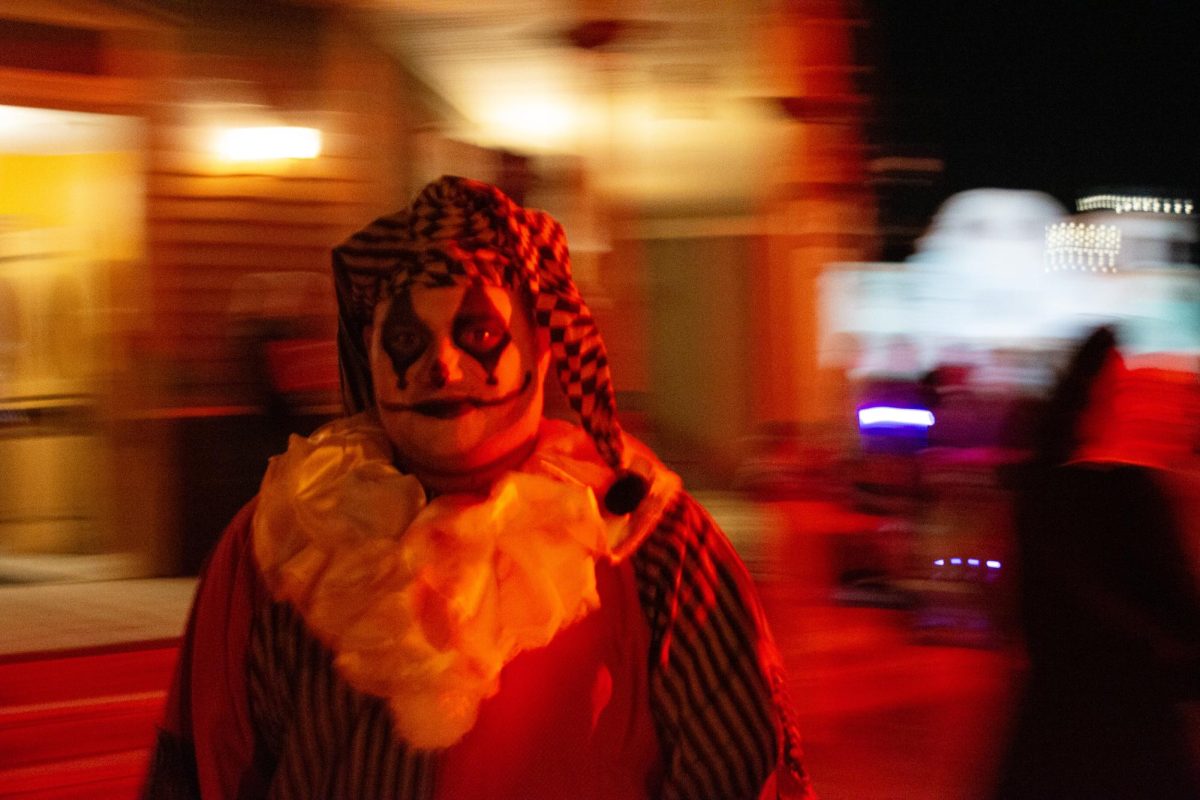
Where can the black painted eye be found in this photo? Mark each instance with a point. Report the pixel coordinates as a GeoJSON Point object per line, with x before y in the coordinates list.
{"type": "Point", "coordinates": [480, 330]}
{"type": "Point", "coordinates": [404, 345]}
{"type": "Point", "coordinates": [404, 336]}
{"type": "Point", "coordinates": [481, 337]}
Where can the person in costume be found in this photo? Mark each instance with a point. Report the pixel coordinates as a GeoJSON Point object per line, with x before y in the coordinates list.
{"type": "Point", "coordinates": [1109, 605]}
{"type": "Point", "coordinates": [446, 594]}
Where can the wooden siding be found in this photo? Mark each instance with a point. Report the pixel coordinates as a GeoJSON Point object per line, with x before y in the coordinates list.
{"type": "Point", "coordinates": [210, 224]}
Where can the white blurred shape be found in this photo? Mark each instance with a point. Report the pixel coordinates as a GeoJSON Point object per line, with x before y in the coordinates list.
{"type": "Point", "coordinates": [268, 143]}
{"type": "Point", "coordinates": [887, 415]}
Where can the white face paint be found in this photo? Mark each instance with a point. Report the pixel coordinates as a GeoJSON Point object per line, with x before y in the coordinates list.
{"type": "Point", "coordinates": [458, 377]}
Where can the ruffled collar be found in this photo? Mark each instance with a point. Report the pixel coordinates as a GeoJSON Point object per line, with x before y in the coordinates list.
{"type": "Point", "coordinates": [423, 602]}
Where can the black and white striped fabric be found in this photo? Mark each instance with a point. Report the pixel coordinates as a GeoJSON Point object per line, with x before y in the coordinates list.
{"type": "Point", "coordinates": [458, 231]}
{"type": "Point", "coordinates": [319, 737]}
{"type": "Point", "coordinates": [716, 681]}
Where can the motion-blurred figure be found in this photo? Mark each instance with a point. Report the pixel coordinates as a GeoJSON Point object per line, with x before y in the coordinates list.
{"type": "Point", "coordinates": [1109, 605]}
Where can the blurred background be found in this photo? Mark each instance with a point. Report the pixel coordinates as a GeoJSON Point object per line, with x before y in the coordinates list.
{"type": "Point", "coordinates": [838, 251]}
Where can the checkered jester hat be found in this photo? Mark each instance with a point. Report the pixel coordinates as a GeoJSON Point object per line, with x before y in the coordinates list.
{"type": "Point", "coordinates": [458, 231]}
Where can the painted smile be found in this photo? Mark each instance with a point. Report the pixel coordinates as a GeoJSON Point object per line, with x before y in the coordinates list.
{"type": "Point", "coordinates": [454, 407]}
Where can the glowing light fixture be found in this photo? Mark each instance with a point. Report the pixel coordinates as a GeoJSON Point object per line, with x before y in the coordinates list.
{"type": "Point", "coordinates": [540, 120]}
{"type": "Point", "coordinates": [886, 415]}
{"type": "Point", "coordinates": [1124, 204]}
{"type": "Point", "coordinates": [12, 117]}
{"type": "Point", "coordinates": [1082, 246]}
{"type": "Point", "coordinates": [971, 562]}
{"type": "Point", "coordinates": [268, 143]}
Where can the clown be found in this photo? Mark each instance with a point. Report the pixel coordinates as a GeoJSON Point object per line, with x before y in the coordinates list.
{"type": "Point", "coordinates": [446, 594]}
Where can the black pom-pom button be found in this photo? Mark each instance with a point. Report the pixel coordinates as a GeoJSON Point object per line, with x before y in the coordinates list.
{"type": "Point", "coordinates": [625, 493]}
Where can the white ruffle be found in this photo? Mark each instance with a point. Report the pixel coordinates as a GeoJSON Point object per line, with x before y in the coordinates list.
{"type": "Point", "coordinates": [423, 603]}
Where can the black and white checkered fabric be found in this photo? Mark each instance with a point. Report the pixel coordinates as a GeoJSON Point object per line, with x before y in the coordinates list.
{"type": "Point", "coordinates": [457, 231]}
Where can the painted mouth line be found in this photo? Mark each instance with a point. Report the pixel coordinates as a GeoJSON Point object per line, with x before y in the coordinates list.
{"type": "Point", "coordinates": [454, 407]}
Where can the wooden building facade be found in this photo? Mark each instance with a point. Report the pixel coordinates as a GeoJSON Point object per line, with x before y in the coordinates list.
{"type": "Point", "coordinates": [186, 268]}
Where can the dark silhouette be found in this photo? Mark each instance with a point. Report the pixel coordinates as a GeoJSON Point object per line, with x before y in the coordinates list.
{"type": "Point", "coordinates": [1109, 605]}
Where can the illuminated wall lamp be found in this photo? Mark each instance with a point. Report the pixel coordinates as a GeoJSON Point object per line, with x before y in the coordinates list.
{"type": "Point", "coordinates": [268, 143]}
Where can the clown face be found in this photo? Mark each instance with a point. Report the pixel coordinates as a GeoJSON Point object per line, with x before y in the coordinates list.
{"type": "Point", "coordinates": [458, 377]}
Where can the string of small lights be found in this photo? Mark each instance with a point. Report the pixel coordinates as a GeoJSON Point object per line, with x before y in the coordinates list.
{"type": "Point", "coordinates": [1082, 246]}
{"type": "Point", "coordinates": [1126, 204]}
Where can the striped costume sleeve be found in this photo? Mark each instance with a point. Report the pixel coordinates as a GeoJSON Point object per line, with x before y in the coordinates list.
{"type": "Point", "coordinates": [206, 745]}
{"type": "Point", "coordinates": [258, 710]}
{"type": "Point", "coordinates": [324, 739]}
{"type": "Point", "coordinates": [717, 689]}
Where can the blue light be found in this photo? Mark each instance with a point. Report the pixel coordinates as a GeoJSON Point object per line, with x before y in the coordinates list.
{"type": "Point", "coordinates": [974, 562]}
{"type": "Point", "coordinates": [941, 562]}
{"type": "Point", "coordinates": [956, 561]}
{"type": "Point", "coordinates": [874, 416]}
{"type": "Point", "coordinates": [993, 565]}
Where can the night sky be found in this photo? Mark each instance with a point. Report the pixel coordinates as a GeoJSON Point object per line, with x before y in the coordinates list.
{"type": "Point", "coordinates": [1064, 96]}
